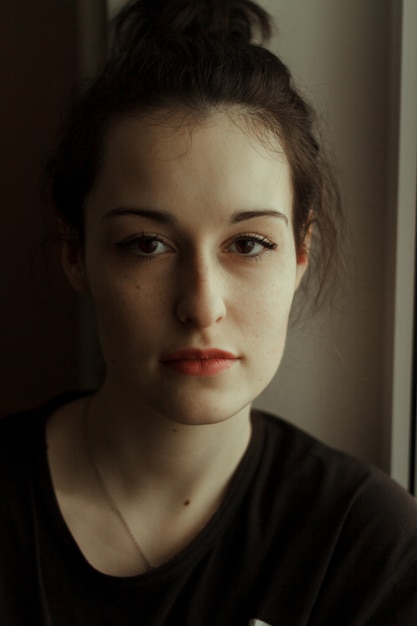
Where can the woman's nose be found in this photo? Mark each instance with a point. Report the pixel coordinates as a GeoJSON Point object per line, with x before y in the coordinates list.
{"type": "Point", "coordinates": [200, 293]}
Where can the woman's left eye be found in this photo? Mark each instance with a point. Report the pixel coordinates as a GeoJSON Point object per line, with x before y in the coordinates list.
{"type": "Point", "coordinates": [251, 245]}
{"type": "Point", "coordinates": [146, 246]}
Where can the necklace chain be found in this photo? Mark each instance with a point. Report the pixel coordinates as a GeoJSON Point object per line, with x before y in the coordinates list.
{"type": "Point", "coordinates": [110, 500]}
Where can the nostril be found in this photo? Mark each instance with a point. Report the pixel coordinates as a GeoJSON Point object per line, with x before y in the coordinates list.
{"type": "Point", "coordinates": [202, 310]}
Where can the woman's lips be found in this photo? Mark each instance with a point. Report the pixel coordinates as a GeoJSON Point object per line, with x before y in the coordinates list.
{"type": "Point", "coordinates": [195, 362]}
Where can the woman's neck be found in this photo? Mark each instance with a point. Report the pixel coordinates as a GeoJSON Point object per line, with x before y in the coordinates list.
{"type": "Point", "coordinates": [148, 454]}
{"type": "Point", "coordinates": [104, 456]}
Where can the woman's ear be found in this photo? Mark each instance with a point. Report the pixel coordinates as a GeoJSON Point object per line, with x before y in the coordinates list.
{"type": "Point", "coordinates": [73, 262]}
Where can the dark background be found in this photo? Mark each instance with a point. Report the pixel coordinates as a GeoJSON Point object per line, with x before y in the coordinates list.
{"type": "Point", "coordinates": [38, 314]}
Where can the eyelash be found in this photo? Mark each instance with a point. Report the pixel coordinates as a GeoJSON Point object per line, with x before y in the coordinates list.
{"type": "Point", "coordinates": [267, 245]}
{"type": "Point", "coordinates": [265, 242]}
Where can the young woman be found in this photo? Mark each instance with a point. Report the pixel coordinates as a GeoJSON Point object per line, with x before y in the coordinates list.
{"type": "Point", "coordinates": [192, 194]}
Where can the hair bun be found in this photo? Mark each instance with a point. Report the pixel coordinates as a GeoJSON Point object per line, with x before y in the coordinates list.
{"type": "Point", "coordinates": [236, 21]}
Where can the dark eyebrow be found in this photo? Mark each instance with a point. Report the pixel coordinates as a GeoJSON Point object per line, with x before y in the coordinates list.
{"type": "Point", "coordinates": [241, 216]}
{"type": "Point", "coordinates": [151, 214]}
{"type": "Point", "coordinates": [164, 217]}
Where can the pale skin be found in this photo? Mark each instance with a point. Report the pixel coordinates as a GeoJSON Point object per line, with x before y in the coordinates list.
{"type": "Point", "coordinates": [188, 244]}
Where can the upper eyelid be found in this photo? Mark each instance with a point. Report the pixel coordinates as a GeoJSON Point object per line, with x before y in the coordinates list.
{"type": "Point", "coordinates": [259, 237]}
{"type": "Point", "coordinates": [255, 237]}
{"type": "Point", "coordinates": [249, 235]}
{"type": "Point", "coordinates": [127, 243]}
{"type": "Point", "coordinates": [142, 235]}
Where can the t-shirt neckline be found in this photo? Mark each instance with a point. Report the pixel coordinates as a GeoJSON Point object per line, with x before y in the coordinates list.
{"type": "Point", "coordinates": [197, 547]}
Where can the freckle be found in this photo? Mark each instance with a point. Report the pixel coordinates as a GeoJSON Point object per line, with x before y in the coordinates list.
{"type": "Point", "coordinates": [174, 430]}
{"type": "Point", "coordinates": [186, 503]}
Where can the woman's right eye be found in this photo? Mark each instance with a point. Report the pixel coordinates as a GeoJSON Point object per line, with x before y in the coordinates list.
{"type": "Point", "coordinates": [146, 246]}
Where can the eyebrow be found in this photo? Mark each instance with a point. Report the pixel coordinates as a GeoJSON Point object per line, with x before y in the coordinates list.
{"type": "Point", "coordinates": [242, 216]}
{"type": "Point", "coordinates": [163, 217]}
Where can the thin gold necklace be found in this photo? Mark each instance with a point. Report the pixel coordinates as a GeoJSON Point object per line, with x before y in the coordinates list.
{"type": "Point", "coordinates": [110, 500]}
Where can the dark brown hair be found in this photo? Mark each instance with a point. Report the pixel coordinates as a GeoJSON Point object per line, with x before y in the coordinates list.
{"type": "Point", "coordinates": [195, 57]}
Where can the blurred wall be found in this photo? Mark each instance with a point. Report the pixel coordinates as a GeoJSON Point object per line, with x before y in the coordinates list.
{"type": "Point", "coordinates": [331, 381]}
{"type": "Point", "coordinates": [38, 337]}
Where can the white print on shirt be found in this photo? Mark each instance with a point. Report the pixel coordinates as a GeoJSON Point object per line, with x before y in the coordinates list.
{"type": "Point", "coordinates": [258, 622]}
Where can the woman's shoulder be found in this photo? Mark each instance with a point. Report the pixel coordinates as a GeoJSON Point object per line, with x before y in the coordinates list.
{"type": "Point", "coordinates": [23, 431]}
{"type": "Point", "coordinates": [17, 430]}
{"type": "Point", "coordinates": [301, 451]}
{"type": "Point", "coordinates": [358, 525]}
{"type": "Point", "coordinates": [332, 480]}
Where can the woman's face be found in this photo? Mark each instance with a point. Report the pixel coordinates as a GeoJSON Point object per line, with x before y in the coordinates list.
{"type": "Point", "coordinates": [191, 264]}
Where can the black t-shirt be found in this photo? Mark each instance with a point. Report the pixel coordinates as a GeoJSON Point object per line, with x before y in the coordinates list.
{"type": "Point", "coordinates": [305, 536]}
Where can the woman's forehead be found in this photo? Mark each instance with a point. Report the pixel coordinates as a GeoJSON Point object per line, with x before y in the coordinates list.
{"type": "Point", "coordinates": [180, 145]}
{"type": "Point", "coordinates": [210, 162]}
{"type": "Point", "coordinates": [178, 127]}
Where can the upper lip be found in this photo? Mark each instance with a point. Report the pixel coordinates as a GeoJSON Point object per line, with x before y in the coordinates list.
{"type": "Point", "coordinates": [197, 354]}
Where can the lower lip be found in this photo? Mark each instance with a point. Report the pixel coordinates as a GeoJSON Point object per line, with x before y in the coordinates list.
{"type": "Point", "coordinates": [200, 367]}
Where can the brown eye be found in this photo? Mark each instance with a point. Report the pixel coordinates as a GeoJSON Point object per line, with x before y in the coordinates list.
{"type": "Point", "coordinates": [145, 246]}
{"type": "Point", "coordinates": [251, 246]}
{"type": "Point", "coordinates": [245, 246]}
